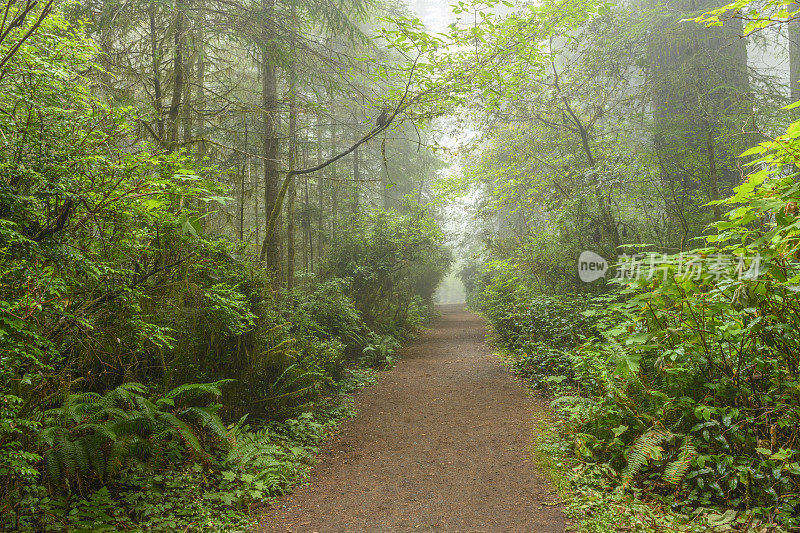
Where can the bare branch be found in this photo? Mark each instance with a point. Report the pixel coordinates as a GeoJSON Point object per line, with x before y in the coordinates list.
{"type": "Point", "coordinates": [18, 21]}
{"type": "Point", "coordinates": [276, 209]}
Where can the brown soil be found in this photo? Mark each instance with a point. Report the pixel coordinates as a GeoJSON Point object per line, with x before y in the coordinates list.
{"type": "Point", "coordinates": [441, 443]}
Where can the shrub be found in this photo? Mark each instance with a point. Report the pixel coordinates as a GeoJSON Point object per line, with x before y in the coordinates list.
{"type": "Point", "coordinates": [690, 387]}
{"type": "Point", "coordinates": [525, 319]}
{"type": "Point", "coordinates": [91, 436]}
{"type": "Point", "coordinates": [393, 263]}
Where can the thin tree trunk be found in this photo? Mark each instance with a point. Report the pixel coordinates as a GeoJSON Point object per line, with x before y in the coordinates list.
{"type": "Point", "coordinates": [254, 183]}
{"type": "Point", "coordinates": [335, 185]}
{"type": "Point", "coordinates": [713, 178]}
{"type": "Point", "coordinates": [200, 49]}
{"type": "Point", "coordinates": [156, 66]}
{"type": "Point", "coordinates": [794, 56]}
{"type": "Point", "coordinates": [186, 110]}
{"type": "Point", "coordinates": [356, 177]}
{"type": "Point", "coordinates": [320, 192]}
{"type": "Point", "coordinates": [603, 205]}
{"type": "Point", "coordinates": [178, 73]}
{"type": "Point", "coordinates": [241, 203]}
{"type": "Point", "coordinates": [270, 248]}
{"type": "Point", "coordinates": [385, 182]}
{"type": "Point", "coordinates": [186, 113]}
{"type": "Point", "coordinates": [245, 174]}
{"type": "Point", "coordinates": [305, 221]}
{"type": "Point", "coordinates": [290, 207]}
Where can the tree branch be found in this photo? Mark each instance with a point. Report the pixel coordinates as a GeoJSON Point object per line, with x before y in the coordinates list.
{"type": "Point", "coordinates": [276, 209]}
{"type": "Point", "coordinates": [17, 22]}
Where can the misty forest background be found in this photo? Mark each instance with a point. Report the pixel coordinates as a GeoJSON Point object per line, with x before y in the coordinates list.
{"type": "Point", "coordinates": [218, 218]}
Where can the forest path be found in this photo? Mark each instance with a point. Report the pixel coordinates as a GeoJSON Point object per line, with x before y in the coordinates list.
{"type": "Point", "coordinates": [441, 443]}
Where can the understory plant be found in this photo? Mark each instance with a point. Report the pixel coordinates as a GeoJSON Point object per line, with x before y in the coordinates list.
{"type": "Point", "coordinates": [135, 340]}
{"type": "Point", "coordinates": [688, 391]}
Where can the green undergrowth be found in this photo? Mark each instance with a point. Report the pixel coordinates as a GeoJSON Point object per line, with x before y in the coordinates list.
{"type": "Point", "coordinates": [594, 493]}
{"type": "Point", "coordinates": [214, 493]}
{"type": "Point", "coordinates": [591, 501]}
{"type": "Point", "coordinates": [594, 497]}
{"type": "Point", "coordinates": [678, 391]}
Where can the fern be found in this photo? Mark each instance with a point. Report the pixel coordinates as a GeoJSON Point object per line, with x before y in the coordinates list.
{"type": "Point", "coordinates": [208, 419]}
{"type": "Point", "coordinates": [652, 447]}
{"type": "Point", "coordinates": [93, 436]}
{"type": "Point", "coordinates": [293, 382]}
{"type": "Point", "coordinates": [676, 470]}
{"type": "Point", "coordinates": [191, 391]}
{"type": "Point", "coordinates": [179, 429]}
{"type": "Point", "coordinates": [646, 448]}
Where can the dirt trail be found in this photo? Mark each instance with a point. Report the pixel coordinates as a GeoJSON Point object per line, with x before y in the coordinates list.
{"type": "Point", "coordinates": [441, 443]}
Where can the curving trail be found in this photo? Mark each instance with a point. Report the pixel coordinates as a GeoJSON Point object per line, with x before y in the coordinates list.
{"type": "Point", "coordinates": [441, 443]}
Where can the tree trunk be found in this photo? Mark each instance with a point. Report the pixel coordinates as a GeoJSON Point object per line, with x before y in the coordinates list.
{"type": "Point", "coordinates": [200, 100]}
{"type": "Point", "coordinates": [794, 57]}
{"type": "Point", "coordinates": [699, 83]}
{"type": "Point", "coordinates": [320, 191]}
{"type": "Point", "coordinates": [245, 176]}
{"type": "Point", "coordinates": [270, 248]}
{"type": "Point", "coordinates": [158, 97]}
{"type": "Point", "coordinates": [603, 202]}
{"type": "Point", "coordinates": [385, 181]}
{"type": "Point", "coordinates": [308, 243]}
{"type": "Point", "coordinates": [356, 179]}
{"type": "Point", "coordinates": [254, 183]}
{"type": "Point", "coordinates": [713, 179]}
{"type": "Point", "coordinates": [241, 203]}
{"type": "Point", "coordinates": [335, 185]}
{"type": "Point", "coordinates": [178, 74]}
{"type": "Point", "coordinates": [290, 207]}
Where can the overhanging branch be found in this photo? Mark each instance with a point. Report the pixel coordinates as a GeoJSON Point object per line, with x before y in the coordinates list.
{"type": "Point", "coordinates": [276, 209]}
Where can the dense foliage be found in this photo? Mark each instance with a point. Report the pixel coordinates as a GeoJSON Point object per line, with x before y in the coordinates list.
{"type": "Point", "coordinates": [677, 381]}
{"type": "Point", "coordinates": [685, 390]}
{"type": "Point", "coordinates": [191, 280]}
{"type": "Point", "coordinates": [393, 265]}
{"type": "Point", "coordinates": [682, 382]}
{"type": "Point", "coordinates": [154, 375]}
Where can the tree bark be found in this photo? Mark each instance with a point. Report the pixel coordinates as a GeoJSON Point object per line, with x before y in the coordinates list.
{"type": "Point", "coordinates": [290, 207]}
{"type": "Point", "coordinates": [713, 179]}
{"type": "Point", "coordinates": [603, 204]}
{"type": "Point", "coordinates": [308, 239]}
{"type": "Point", "coordinates": [200, 101]}
{"type": "Point", "coordinates": [356, 181]}
{"type": "Point", "coordinates": [385, 181]}
{"type": "Point", "coordinates": [320, 191]}
{"type": "Point", "coordinates": [700, 86]}
{"type": "Point", "coordinates": [244, 177]}
{"type": "Point", "coordinates": [155, 54]}
{"type": "Point", "coordinates": [794, 57]}
{"type": "Point", "coordinates": [335, 185]}
{"type": "Point", "coordinates": [270, 248]}
{"type": "Point", "coordinates": [178, 73]}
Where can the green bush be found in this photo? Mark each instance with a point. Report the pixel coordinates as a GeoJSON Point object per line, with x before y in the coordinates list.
{"type": "Point", "coordinates": [91, 436]}
{"type": "Point", "coordinates": [379, 350]}
{"type": "Point", "coordinates": [688, 385]}
{"type": "Point", "coordinates": [115, 302]}
{"type": "Point", "coordinates": [523, 318]}
{"type": "Point", "coordinates": [393, 263]}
